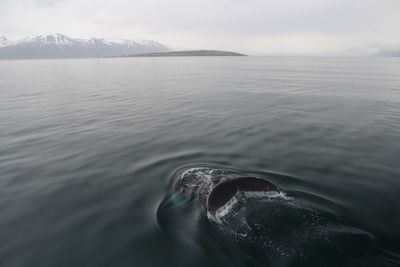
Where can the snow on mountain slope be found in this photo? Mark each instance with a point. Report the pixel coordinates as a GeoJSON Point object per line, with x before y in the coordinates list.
{"type": "Point", "coordinates": [3, 41]}
{"type": "Point", "coordinates": [61, 46]}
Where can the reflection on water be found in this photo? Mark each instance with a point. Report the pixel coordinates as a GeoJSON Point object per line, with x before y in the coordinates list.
{"type": "Point", "coordinates": [88, 149]}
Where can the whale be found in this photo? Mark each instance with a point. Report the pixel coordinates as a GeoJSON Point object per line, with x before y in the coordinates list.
{"type": "Point", "coordinates": [226, 206]}
{"type": "Point", "coordinates": [214, 188]}
{"type": "Point", "coordinates": [225, 189]}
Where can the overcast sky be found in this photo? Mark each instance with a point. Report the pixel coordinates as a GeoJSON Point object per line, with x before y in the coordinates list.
{"type": "Point", "coordinates": [249, 26]}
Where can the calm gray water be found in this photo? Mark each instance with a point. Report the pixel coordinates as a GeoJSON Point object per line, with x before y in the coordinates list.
{"type": "Point", "coordinates": [89, 150]}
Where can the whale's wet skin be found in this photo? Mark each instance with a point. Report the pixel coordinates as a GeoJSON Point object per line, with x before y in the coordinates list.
{"type": "Point", "coordinates": [271, 225]}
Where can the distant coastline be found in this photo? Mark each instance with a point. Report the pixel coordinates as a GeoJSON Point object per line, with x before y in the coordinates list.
{"type": "Point", "coordinates": [191, 53]}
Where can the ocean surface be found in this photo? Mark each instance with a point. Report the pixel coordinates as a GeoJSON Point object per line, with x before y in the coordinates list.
{"type": "Point", "coordinates": [91, 151]}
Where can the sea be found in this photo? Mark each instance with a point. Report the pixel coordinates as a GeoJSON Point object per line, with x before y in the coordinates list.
{"type": "Point", "coordinates": [95, 155]}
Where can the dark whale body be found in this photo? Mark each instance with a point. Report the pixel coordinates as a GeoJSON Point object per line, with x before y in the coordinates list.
{"type": "Point", "coordinates": [225, 190]}
{"type": "Point", "coordinates": [274, 226]}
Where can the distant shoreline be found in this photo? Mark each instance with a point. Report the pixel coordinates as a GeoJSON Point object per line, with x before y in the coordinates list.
{"type": "Point", "coordinates": [191, 53]}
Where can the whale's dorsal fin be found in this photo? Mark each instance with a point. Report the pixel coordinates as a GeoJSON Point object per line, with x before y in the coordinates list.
{"type": "Point", "coordinates": [224, 191]}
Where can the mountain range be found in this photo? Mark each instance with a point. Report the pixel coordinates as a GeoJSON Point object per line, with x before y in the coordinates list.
{"type": "Point", "coordinates": [62, 46]}
{"type": "Point", "coordinates": [388, 53]}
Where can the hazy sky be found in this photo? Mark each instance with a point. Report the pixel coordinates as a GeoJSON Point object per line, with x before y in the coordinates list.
{"type": "Point", "coordinates": [249, 26]}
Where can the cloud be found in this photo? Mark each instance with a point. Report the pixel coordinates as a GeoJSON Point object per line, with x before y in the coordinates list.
{"type": "Point", "coordinates": [250, 26]}
{"type": "Point", "coordinates": [47, 3]}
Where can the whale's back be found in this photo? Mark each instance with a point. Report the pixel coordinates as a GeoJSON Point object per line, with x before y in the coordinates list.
{"type": "Point", "coordinates": [224, 191]}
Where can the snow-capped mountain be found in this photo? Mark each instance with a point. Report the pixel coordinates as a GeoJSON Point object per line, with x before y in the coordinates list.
{"type": "Point", "coordinates": [3, 41]}
{"type": "Point", "coordinates": [61, 46]}
{"type": "Point", "coordinates": [388, 53]}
